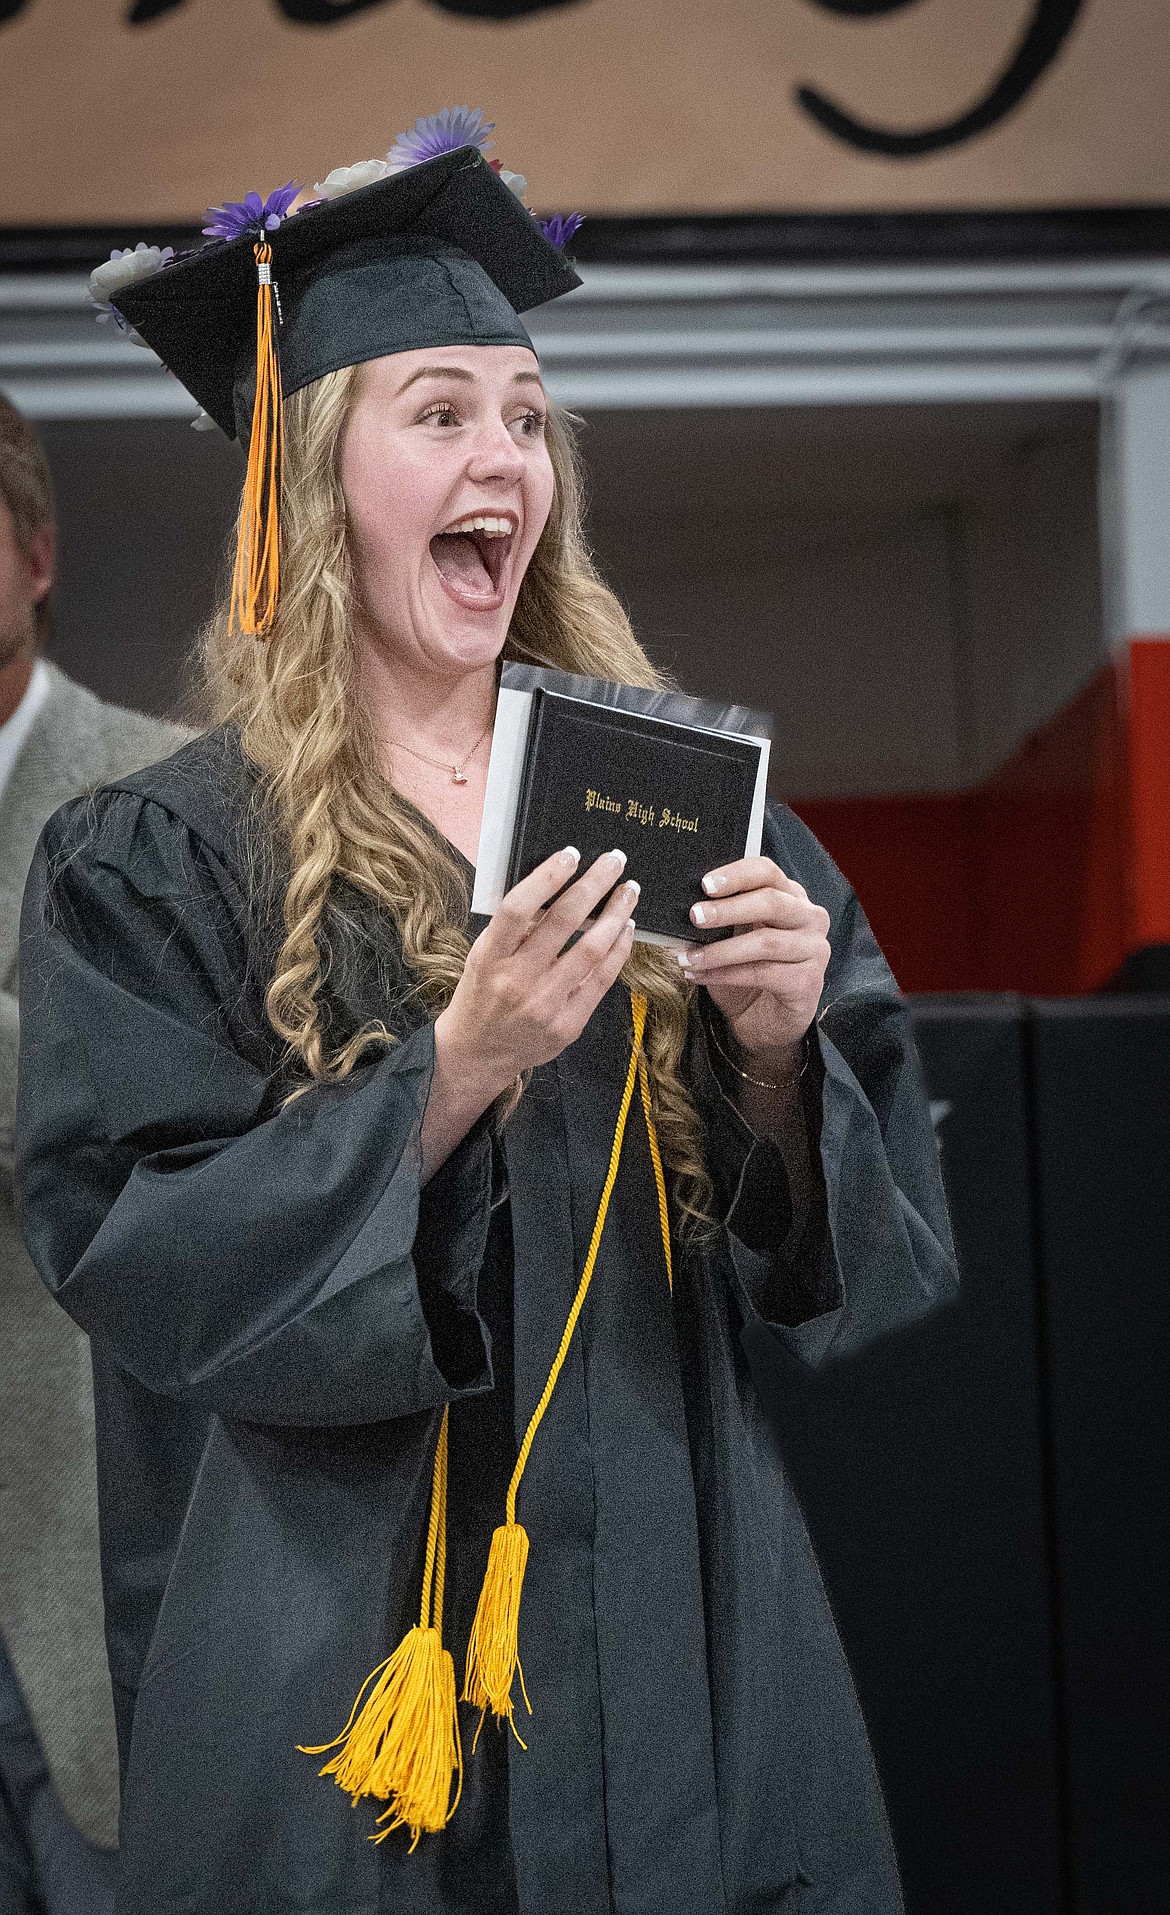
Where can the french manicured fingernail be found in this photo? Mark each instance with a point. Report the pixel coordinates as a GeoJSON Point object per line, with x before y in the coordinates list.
{"type": "Point", "coordinates": [714, 881]}
{"type": "Point", "coordinates": [698, 914]}
{"type": "Point", "coordinates": [571, 853]}
{"type": "Point", "coordinates": [632, 889]}
{"type": "Point", "coordinates": [620, 856]}
{"type": "Point", "coordinates": [683, 958]}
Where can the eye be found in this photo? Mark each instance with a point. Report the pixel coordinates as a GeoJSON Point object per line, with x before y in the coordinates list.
{"type": "Point", "coordinates": [531, 424]}
{"type": "Point", "coordinates": [442, 412]}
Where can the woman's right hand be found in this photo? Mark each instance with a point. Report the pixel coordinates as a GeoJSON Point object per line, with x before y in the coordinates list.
{"type": "Point", "coordinates": [523, 996]}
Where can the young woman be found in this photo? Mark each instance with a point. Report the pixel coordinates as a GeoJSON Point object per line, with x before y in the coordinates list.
{"type": "Point", "coordinates": [317, 1161]}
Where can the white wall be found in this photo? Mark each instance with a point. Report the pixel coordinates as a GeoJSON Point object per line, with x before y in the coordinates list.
{"type": "Point", "coordinates": [1032, 587]}
{"type": "Point", "coordinates": [910, 590]}
{"type": "Point", "coordinates": [843, 637]}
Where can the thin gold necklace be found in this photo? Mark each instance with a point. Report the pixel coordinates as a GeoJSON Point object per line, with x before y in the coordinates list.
{"type": "Point", "coordinates": [441, 764]}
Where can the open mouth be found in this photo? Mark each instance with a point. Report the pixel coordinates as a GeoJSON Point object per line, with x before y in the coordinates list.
{"type": "Point", "coordinates": [471, 557]}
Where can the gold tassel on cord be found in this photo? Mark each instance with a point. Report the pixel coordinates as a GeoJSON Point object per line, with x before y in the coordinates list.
{"type": "Point", "coordinates": [256, 577]}
{"type": "Point", "coordinates": [493, 1653]}
{"type": "Point", "coordinates": [402, 1739]}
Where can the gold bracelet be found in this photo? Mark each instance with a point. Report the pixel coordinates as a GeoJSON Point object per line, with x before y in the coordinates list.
{"type": "Point", "coordinates": [762, 1083]}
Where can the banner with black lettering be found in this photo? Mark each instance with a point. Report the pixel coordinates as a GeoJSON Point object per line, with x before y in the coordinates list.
{"type": "Point", "coordinates": [151, 110]}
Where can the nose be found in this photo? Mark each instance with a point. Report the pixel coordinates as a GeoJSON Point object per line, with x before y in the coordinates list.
{"type": "Point", "coordinates": [495, 456]}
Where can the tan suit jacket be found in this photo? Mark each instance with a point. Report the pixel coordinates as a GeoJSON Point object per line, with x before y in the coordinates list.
{"type": "Point", "coordinates": [50, 1588]}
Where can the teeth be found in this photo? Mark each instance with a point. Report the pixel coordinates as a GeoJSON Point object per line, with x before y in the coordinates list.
{"type": "Point", "coordinates": [491, 528]}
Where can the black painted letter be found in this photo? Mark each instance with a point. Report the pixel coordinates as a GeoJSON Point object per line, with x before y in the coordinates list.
{"type": "Point", "coordinates": [1038, 47]}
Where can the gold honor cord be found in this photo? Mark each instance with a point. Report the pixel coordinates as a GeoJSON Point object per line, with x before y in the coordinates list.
{"type": "Point", "coordinates": [655, 1158]}
{"type": "Point", "coordinates": [256, 576]}
{"type": "Point", "coordinates": [402, 1742]}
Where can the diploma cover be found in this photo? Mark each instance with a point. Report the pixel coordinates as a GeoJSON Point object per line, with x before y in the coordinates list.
{"type": "Point", "coordinates": [677, 797]}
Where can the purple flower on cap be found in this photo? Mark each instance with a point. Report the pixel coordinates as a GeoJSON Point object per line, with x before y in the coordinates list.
{"type": "Point", "coordinates": [560, 228]}
{"type": "Point", "coordinates": [251, 214]}
{"type": "Point", "coordinates": [436, 133]}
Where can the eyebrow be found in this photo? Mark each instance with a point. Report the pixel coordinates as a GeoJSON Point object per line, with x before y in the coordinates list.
{"type": "Point", "coordinates": [460, 372]}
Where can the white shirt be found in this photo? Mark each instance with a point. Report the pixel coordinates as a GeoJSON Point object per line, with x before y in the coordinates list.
{"type": "Point", "coordinates": [15, 730]}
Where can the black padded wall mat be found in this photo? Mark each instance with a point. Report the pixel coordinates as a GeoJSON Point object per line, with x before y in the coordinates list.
{"type": "Point", "coordinates": [1102, 1103]}
{"type": "Point", "coordinates": [920, 1465]}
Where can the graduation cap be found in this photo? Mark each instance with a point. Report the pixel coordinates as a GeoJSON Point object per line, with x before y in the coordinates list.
{"type": "Point", "coordinates": [443, 253]}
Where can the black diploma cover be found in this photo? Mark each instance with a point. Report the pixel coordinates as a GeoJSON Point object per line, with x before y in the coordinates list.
{"type": "Point", "coordinates": [676, 799]}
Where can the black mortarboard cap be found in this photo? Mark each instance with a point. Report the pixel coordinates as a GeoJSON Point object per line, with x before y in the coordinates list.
{"type": "Point", "coordinates": [441, 254]}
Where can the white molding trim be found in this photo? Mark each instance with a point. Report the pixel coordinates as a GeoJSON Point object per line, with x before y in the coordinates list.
{"type": "Point", "coordinates": [696, 336]}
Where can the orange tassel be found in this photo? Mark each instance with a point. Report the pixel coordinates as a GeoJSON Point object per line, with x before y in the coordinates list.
{"type": "Point", "coordinates": [256, 577]}
{"type": "Point", "coordinates": [402, 1739]}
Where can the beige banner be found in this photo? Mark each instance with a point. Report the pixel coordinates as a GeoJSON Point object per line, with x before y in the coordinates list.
{"type": "Point", "coordinates": [616, 106]}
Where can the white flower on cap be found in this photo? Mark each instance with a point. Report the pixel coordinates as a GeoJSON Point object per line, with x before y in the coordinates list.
{"type": "Point", "coordinates": [122, 268]}
{"type": "Point", "coordinates": [347, 179]}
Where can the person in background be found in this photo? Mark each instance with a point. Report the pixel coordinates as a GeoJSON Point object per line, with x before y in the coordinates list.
{"type": "Point", "coordinates": [58, 1757]}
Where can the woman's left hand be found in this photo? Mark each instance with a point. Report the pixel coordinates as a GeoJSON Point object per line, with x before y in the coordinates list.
{"type": "Point", "coordinates": [768, 976]}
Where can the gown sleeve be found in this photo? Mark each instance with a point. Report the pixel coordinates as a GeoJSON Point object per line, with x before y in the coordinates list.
{"type": "Point", "coordinates": [9, 1049]}
{"type": "Point", "coordinates": [264, 1259]}
{"type": "Point", "coordinates": [875, 1250]}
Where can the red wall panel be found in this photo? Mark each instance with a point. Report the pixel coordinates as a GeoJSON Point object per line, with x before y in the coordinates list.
{"type": "Point", "coordinates": [1148, 717]}
{"type": "Point", "coordinates": [909, 860]}
{"type": "Point", "coordinates": [1049, 832]}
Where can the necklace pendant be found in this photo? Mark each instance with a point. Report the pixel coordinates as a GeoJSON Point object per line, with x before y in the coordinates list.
{"type": "Point", "coordinates": [457, 777]}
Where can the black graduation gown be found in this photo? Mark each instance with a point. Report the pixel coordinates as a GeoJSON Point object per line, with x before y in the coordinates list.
{"type": "Point", "coordinates": [277, 1316]}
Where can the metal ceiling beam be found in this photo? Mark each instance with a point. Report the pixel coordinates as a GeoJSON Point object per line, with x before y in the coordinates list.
{"type": "Point", "coordinates": [674, 336]}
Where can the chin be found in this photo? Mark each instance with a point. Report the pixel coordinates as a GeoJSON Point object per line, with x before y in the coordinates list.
{"type": "Point", "coordinates": [468, 649]}
{"type": "Point", "coordinates": [468, 638]}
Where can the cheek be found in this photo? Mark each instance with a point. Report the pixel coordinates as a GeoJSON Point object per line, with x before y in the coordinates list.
{"type": "Point", "coordinates": [539, 488]}
{"type": "Point", "coordinates": [14, 586]}
{"type": "Point", "coordinates": [389, 507]}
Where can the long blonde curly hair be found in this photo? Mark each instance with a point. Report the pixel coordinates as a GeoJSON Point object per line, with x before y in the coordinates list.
{"type": "Point", "coordinates": [293, 698]}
